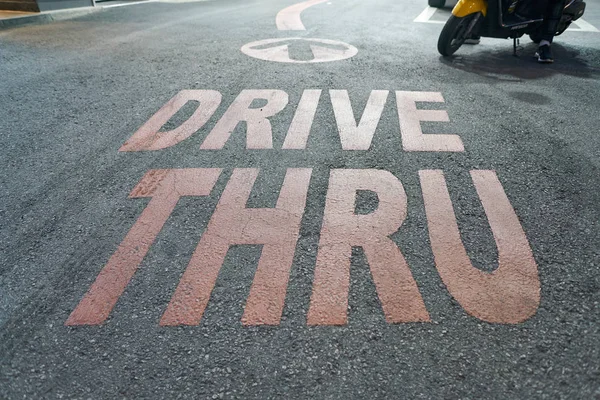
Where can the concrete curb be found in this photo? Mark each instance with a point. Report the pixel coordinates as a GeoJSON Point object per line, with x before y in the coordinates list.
{"type": "Point", "coordinates": [47, 17]}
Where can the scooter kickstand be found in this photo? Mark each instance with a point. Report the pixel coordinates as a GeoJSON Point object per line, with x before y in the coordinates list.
{"type": "Point", "coordinates": [515, 43]}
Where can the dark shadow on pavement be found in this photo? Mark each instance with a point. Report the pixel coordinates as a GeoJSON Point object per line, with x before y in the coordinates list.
{"type": "Point", "coordinates": [500, 64]}
{"type": "Point", "coordinates": [535, 99]}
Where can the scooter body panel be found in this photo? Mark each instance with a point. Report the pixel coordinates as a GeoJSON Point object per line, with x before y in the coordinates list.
{"type": "Point", "coordinates": [491, 25]}
{"type": "Point", "coordinates": [467, 7]}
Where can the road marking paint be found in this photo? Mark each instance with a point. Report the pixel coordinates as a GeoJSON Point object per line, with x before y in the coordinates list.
{"type": "Point", "coordinates": [299, 130]}
{"type": "Point", "coordinates": [259, 135]}
{"type": "Point", "coordinates": [510, 294]}
{"type": "Point", "coordinates": [426, 15]}
{"type": "Point", "coordinates": [277, 50]}
{"type": "Point", "coordinates": [352, 135]}
{"type": "Point", "coordinates": [232, 223]}
{"type": "Point", "coordinates": [133, 3]}
{"type": "Point", "coordinates": [413, 138]}
{"type": "Point", "coordinates": [289, 19]}
{"type": "Point", "coordinates": [258, 128]}
{"type": "Point", "coordinates": [165, 187]}
{"type": "Point", "coordinates": [342, 229]}
{"type": "Point", "coordinates": [148, 136]}
{"type": "Point", "coordinates": [583, 26]}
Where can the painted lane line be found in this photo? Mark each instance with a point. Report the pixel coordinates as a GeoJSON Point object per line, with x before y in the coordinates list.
{"type": "Point", "coordinates": [426, 15]}
{"type": "Point", "coordinates": [584, 26]}
{"type": "Point", "coordinates": [129, 4]}
{"type": "Point", "coordinates": [288, 19]}
{"type": "Point", "coordinates": [134, 3]}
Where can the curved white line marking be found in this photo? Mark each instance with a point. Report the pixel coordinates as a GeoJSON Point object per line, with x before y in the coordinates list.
{"type": "Point", "coordinates": [288, 19]}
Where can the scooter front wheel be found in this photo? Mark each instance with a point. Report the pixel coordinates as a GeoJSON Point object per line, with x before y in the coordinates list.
{"type": "Point", "coordinates": [455, 32]}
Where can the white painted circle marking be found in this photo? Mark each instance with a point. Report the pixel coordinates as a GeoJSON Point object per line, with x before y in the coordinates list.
{"type": "Point", "coordinates": [277, 50]}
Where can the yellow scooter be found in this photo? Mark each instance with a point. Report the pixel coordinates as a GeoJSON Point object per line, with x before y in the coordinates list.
{"type": "Point", "coordinates": [497, 19]}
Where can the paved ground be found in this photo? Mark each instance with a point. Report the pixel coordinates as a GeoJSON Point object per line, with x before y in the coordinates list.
{"type": "Point", "coordinates": [73, 92]}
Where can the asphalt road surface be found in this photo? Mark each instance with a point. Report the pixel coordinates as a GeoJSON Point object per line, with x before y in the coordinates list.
{"type": "Point", "coordinates": [183, 219]}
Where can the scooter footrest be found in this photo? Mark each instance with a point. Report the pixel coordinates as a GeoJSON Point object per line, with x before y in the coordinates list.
{"type": "Point", "coordinates": [518, 22]}
{"type": "Point", "coordinates": [575, 10]}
